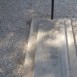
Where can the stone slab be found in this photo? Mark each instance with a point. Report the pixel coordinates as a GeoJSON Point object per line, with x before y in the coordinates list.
{"type": "Point", "coordinates": [71, 48]}
{"type": "Point", "coordinates": [50, 55]}
{"type": "Point", "coordinates": [31, 47]}
{"type": "Point", "coordinates": [51, 49]}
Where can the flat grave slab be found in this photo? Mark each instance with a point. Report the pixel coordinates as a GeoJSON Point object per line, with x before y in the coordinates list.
{"type": "Point", "coordinates": [54, 48]}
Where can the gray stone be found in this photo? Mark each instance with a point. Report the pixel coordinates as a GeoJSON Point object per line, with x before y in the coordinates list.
{"type": "Point", "coordinates": [54, 49]}
{"type": "Point", "coordinates": [49, 47]}
{"type": "Point", "coordinates": [15, 20]}
{"type": "Point", "coordinates": [50, 54]}
{"type": "Point", "coordinates": [14, 32]}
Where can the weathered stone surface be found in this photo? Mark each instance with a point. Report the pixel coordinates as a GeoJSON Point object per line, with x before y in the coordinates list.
{"type": "Point", "coordinates": [54, 49]}
{"type": "Point", "coordinates": [15, 19]}
{"type": "Point", "coordinates": [31, 47]}
{"type": "Point", "coordinates": [50, 55]}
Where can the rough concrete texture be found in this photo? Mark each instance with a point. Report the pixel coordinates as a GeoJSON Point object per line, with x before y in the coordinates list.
{"type": "Point", "coordinates": [65, 9]}
{"type": "Point", "coordinates": [62, 8]}
{"type": "Point", "coordinates": [14, 32]}
{"type": "Point", "coordinates": [15, 19]}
